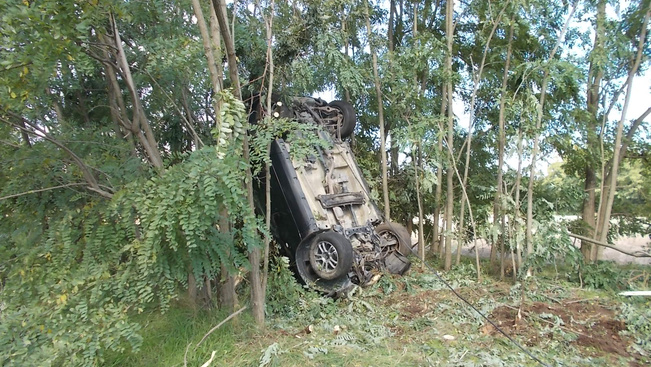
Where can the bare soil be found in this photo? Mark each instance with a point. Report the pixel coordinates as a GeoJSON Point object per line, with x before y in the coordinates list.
{"type": "Point", "coordinates": [591, 326]}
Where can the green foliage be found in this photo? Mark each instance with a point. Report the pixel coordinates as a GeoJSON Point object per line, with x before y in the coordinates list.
{"type": "Point", "coordinates": [564, 191]}
{"type": "Point", "coordinates": [552, 245]}
{"type": "Point", "coordinates": [75, 268]}
{"type": "Point", "coordinates": [638, 324]}
{"type": "Point", "coordinates": [603, 275]}
{"type": "Point", "coordinates": [67, 294]}
{"type": "Point", "coordinates": [284, 294]}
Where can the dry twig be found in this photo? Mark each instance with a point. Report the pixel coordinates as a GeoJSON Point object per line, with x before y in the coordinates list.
{"type": "Point", "coordinates": [220, 324]}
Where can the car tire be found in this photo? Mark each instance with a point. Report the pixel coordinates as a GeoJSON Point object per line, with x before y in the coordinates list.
{"type": "Point", "coordinates": [331, 255]}
{"type": "Point", "coordinates": [395, 231]}
{"type": "Point", "coordinates": [349, 117]}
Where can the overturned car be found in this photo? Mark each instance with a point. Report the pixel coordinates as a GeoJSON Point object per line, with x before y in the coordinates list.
{"type": "Point", "coordinates": [323, 217]}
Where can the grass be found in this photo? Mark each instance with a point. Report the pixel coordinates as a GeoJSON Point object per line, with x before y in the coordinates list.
{"type": "Point", "coordinates": [401, 321]}
{"type": "Point", "coordinates": [166, 336]}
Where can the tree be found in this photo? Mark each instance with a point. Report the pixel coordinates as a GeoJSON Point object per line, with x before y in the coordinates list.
{"type": "Point", "coordinates": [449, 206]}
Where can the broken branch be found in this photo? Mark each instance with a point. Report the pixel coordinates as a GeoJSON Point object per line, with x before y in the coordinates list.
{"type": "Point", "coordinates": [599, 243]}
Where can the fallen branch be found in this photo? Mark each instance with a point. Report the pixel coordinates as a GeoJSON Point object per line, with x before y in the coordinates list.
{"type": "Point", "coordinates": [220, 324]}
{"type": "Point", "coordinates": [580, 300]}
{"type": "Point", "coordinates": [599, 243]}
{"type": "Point", "coordinates": [212, 357]}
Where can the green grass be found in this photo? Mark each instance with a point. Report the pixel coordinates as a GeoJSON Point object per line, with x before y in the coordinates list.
{"type": "Point", "coordinates": [166, 336]}
{"type": "Point", "coordinates": [401, 321]}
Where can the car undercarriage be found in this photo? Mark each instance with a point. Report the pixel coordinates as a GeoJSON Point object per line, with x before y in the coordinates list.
{"type": "Point", "coordinates": [323, 216]}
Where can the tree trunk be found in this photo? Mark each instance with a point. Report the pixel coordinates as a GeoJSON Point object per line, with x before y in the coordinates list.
{"type": "Point", "coordinates": [421, 216]}
{"type": "Point", "coordinates": [378, 91]}
{"type": "Point", "coordinates": [610, 187]}
{"type": "Point", "coordinates": [192, 289]}
{"type": "Point", "coordinates": [589, 210]}
{"type": "Point", "coordinates": [516, 215]}
{"type": "Point", "coordinates": [270, 63]}
{"type": "Point", "coordinates": [436, 235]}
{"type": "Point", "coordinates": [539, 116]}
{"type": "Point", "coordinates": [215, 38]}
{"type": "Point", "coordinates": [477, 79]}
{"type": "Point", "coordinates": [207, 45]}
{"type": "Point", "coordinates": [501, 142]}
{"type": "Point", "coordinates": [449, 207]}
{"type": "Point", "coordinates": [140, 125]}
{"type": "Point", "coordinates": [227, 294]}
{"type": "Point", "coordinates": [257, 297]}
{"type": "Point", "coordinates": [116, 100]}
{"type": "Point", "coordinates": [24, 135]}
{"type": "Point", "coordinates": [390, 35]}
{"type": "Point", "coordinates": [595, 74]}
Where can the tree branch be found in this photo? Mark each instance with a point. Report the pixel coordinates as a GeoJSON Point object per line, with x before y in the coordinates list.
{"type": "Point", "coordinates": [42, 190]}
{"type": "Point", "coordinates": [599, 243]}
{"type": "Point", "coordinates": [220, 324]}
{"type": "Point", "coordinates": [193, 132]}
{"type": "Point", "coordinates": [85, 170]}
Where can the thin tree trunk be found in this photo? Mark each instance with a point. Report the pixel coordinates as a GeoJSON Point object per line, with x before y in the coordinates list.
{"type": "Point", "coordinates": [229, 43]}
{"type": "Point", "coordinates": [518, 179]}
{"type": "Point", "coordinates": [192, 288]}
{"type": "Point", "coordinates": [589, 210]}
{"type": "Point", "coordinates": [140, 126]}
{"type": "Point", "coordinates": [501, 142]}
{"type": "Point", "coordinates": [390, 36]}
{"type": "Point", "coordinates": [190, 119]}
{"type": "Point", "coordinates": [611, 188]}
{"type": "Point", "coordinates": [501, 243]}
{"type": "Point", "coordinates": [267, 168]}
{"type": "Point", "coordinates": [449, 207]}
{"type": "Point", "coordinates": [378, 91]}
{"type": "Point", "coordinates": [477, 79]}
{"type": "Point", "coordinates": [208, 44]}
{"type": "Point", "coordinates": [215, 38]}
{"type": "Point", "coordinates": [24, 135]}
{"type": "Point", "coordinates": [472, 220]}
{"type": "Point", "coordinates": [116, 100]}
{"type": "Point", "coordinates": [539, 116]}
{"type": "Point", "coordinates": [257, 296]}
{"type": "Point", "coordinates": [227, 294]}
{"type": "Point", "coordinates": [436, 242]}
{"type": "Point", "coordinates": [595, 74]}
{"type": "Point", "coordinates": [421, 216]}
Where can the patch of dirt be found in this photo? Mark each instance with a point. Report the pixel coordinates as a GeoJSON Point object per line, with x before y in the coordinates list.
{"type": "Point", "coordinates": [595, 326]}
{"type": "Point", "coordinates": [413, 306]}
{"type": "Point", "coordinates": [422, 302]}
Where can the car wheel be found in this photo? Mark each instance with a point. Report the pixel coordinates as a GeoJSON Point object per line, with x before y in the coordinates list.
{"type": "Point", "coordinates": [331, 255]}
{"type": "Point", "coordinates": [396, 235]}
{"type": "Point", "coordinates": [348, 117]}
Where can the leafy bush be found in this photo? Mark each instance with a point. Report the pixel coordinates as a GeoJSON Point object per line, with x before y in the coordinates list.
{"type": "Point", "coordinates": [284, 294]}
{"type": "Point", "coordinates": [552, 245]}
{"type": "Point", "coordinates": [603, 275]}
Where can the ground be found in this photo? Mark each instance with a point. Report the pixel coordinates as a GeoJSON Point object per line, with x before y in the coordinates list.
{"type": "Point", "coordinates": [411, 321]}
